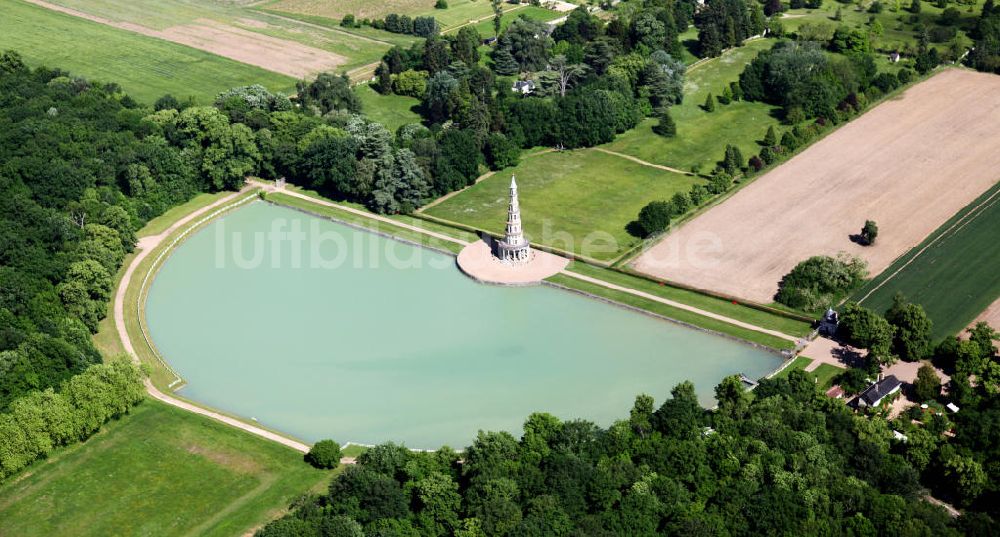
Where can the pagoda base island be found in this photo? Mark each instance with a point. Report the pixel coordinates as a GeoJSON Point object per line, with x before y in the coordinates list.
{"type": "Point", "coordinates": [510, 260]}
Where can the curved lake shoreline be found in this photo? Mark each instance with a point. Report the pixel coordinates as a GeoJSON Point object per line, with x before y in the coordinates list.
{"type": "Point", "coordinates": [394, 343]}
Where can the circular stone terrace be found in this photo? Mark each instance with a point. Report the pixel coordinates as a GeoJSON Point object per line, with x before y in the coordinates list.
{"type": "Point", "coordinates": [478, 262]}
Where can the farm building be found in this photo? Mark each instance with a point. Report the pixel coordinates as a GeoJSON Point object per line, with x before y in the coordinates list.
{"type": "Point", "coordinates": [877, 392]}
{"type": "Point", "coordinates": [829, 323]}
{"type": "Point", "coordinates": [524, 87]}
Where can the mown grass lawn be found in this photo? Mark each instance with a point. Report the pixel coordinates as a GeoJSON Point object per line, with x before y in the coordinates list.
{"type": "Point", "coordinates": [106, 339]}
{"type": "Point", "coordinates": [158, 471]}
{"type": "Point", "coordinates": [671, 312]}
{"type": "Point", "coordinates": [390, 110]}
{"type": "Point", "coordinates": [800, 362]}
{"type": "Point", "coordinates": [823, 374]}
{"type": "Point", "coordinates": [485, 27]}
{"type": "Point", "coordinates": [145, 67]}
{"type": "Point", "coordinates": [702, 136]}
{"type": "Point", "coordinates": [739, 312]}
{"type": "Point", "coordinates": [578, 201]}
{"type": "Point", "coordinates": [363, 222]}
{"type": "Point", "coordinates": [953, 273]}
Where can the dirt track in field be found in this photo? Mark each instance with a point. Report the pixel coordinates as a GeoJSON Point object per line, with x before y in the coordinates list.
{"type": "Point", "coordinates": [909, 164]}
{"type": "Point", "coordinates": [277, 55]}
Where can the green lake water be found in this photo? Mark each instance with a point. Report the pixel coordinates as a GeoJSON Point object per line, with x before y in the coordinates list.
{"type": "Point", "coordinates": [388, 341]}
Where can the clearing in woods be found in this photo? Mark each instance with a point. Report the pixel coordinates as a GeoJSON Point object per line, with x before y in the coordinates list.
{"type": "Point", "coordinates": [702, 136]}
{"type": "Point", "coordinates": [580, 201]}
{"type": "Point", "coordinates": [909, 164]}
{"type": "Point", "coordinates": [157, 471]}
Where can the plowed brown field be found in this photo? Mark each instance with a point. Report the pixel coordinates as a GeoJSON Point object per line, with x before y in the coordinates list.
{"type": "Point", "coordinates": [909, 164]}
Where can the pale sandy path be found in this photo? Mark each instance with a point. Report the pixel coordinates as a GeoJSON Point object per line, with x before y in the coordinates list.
{"type": "Point", "coordinates": [682, 306]}
{"type": "Point", "coordinates": [826, 351]}
{"type": "Point", "coordinates": [478, 262]}
{"type": "Point", "coordinates": [372, 216]}
{"type": "Point", "coordinates": [477, 21]}
{"type": "Point", "coordinates": [909, 164]}
{"type": "Point", "coordinates": [454, 193]}
{"type": "Point", "coordinates": [642, 162]}
{"type": "Point", "coordinates": [149, 243]}
{"type": "Point", "coordinates": [571, 274]}
{"type": "Point", "coordinates": [145, 246]}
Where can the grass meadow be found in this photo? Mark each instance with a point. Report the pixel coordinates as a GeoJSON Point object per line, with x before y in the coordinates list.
{"type": "Point", "coordinates": [712, 304]}
{"type": "Point", "coordinates": [485, 27]}
{"type": "Point", "coordinates": [459, 11]}
{"type": "Point", "coordinates": [145, 67]}
{"type": "Point", "coordinates": [402, 40]}
{"type": "Point", "coordinates": [578, 201]}
{"type": "Point", "coordinates": [158, 471]}
{"type": "Point", "coordinates": [391, 110]}
{"type": "Point", "coordinates": [670, 312]}
{"type": "Point", "coordinates": [952, 273]}
{"type": "Point", "coordinates": [895, 19]}
{"type": "Point", "coordinates": [823, 375]}
{"type": "Point", "coordinates": [702, 136]}
{"type": "Point", "coordinates": [164, 14]}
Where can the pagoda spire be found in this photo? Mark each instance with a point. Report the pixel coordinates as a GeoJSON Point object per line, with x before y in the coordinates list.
{"type": "Point", "coordinates": [514, 235]}
{"type": "Point", "coordinates": [514, 248]}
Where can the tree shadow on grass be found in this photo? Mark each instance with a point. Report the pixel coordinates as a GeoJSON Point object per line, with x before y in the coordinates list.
{"type": "Point", "coordinates": [692, 46]}
{"type": "Point", "coordinates": [634, 229]}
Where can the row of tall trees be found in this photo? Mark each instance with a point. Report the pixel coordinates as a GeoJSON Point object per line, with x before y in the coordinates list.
{"type": "Point", "coordinates": [724, 24]}
{"type": "Point", "coordinates": [985, 54]}
{"type": "Point", "coordinates": [36, 423]}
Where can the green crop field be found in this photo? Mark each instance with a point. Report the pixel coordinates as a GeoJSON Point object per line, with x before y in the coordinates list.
{"type": "Point", "coordinates": [159, 471]}
{"type": "Point", "coordinates": [402, 40]}
{"type": "Point", "coordinates": [953, 274]}
{"type": "Point", "coordinates": [237, 19]}
{"type": "Point", "coordinates": [458, 12]}
{"type": "Point", "coordinates": [702, 136]}
{"type": "Point", "coordinates": [390, 110]}
{"type": "Point", "coordinates": [145, 67]}
{"type": "Point", "coordinates": [578, 201]}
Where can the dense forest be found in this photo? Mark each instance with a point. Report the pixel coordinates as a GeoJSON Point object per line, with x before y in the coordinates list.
{"type": "Point", "coordinates": [80, 174]}
{"type": "Point", "coordinates": [783, 459]}
{"type": "Point", "coordinates": [985, 55]}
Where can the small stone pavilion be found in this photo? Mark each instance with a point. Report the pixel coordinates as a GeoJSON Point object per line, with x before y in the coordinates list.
{"type": "Point", "coordinates": [510, 260]}
{"type": "Point", "coordinates": [513, 249]}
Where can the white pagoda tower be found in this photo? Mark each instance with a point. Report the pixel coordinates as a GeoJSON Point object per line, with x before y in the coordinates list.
{"type": "Point", "coordinates": [513, 249]}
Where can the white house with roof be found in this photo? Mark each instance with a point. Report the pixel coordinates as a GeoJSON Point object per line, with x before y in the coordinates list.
{"type": "Point", "coordinates": [876, 393]}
